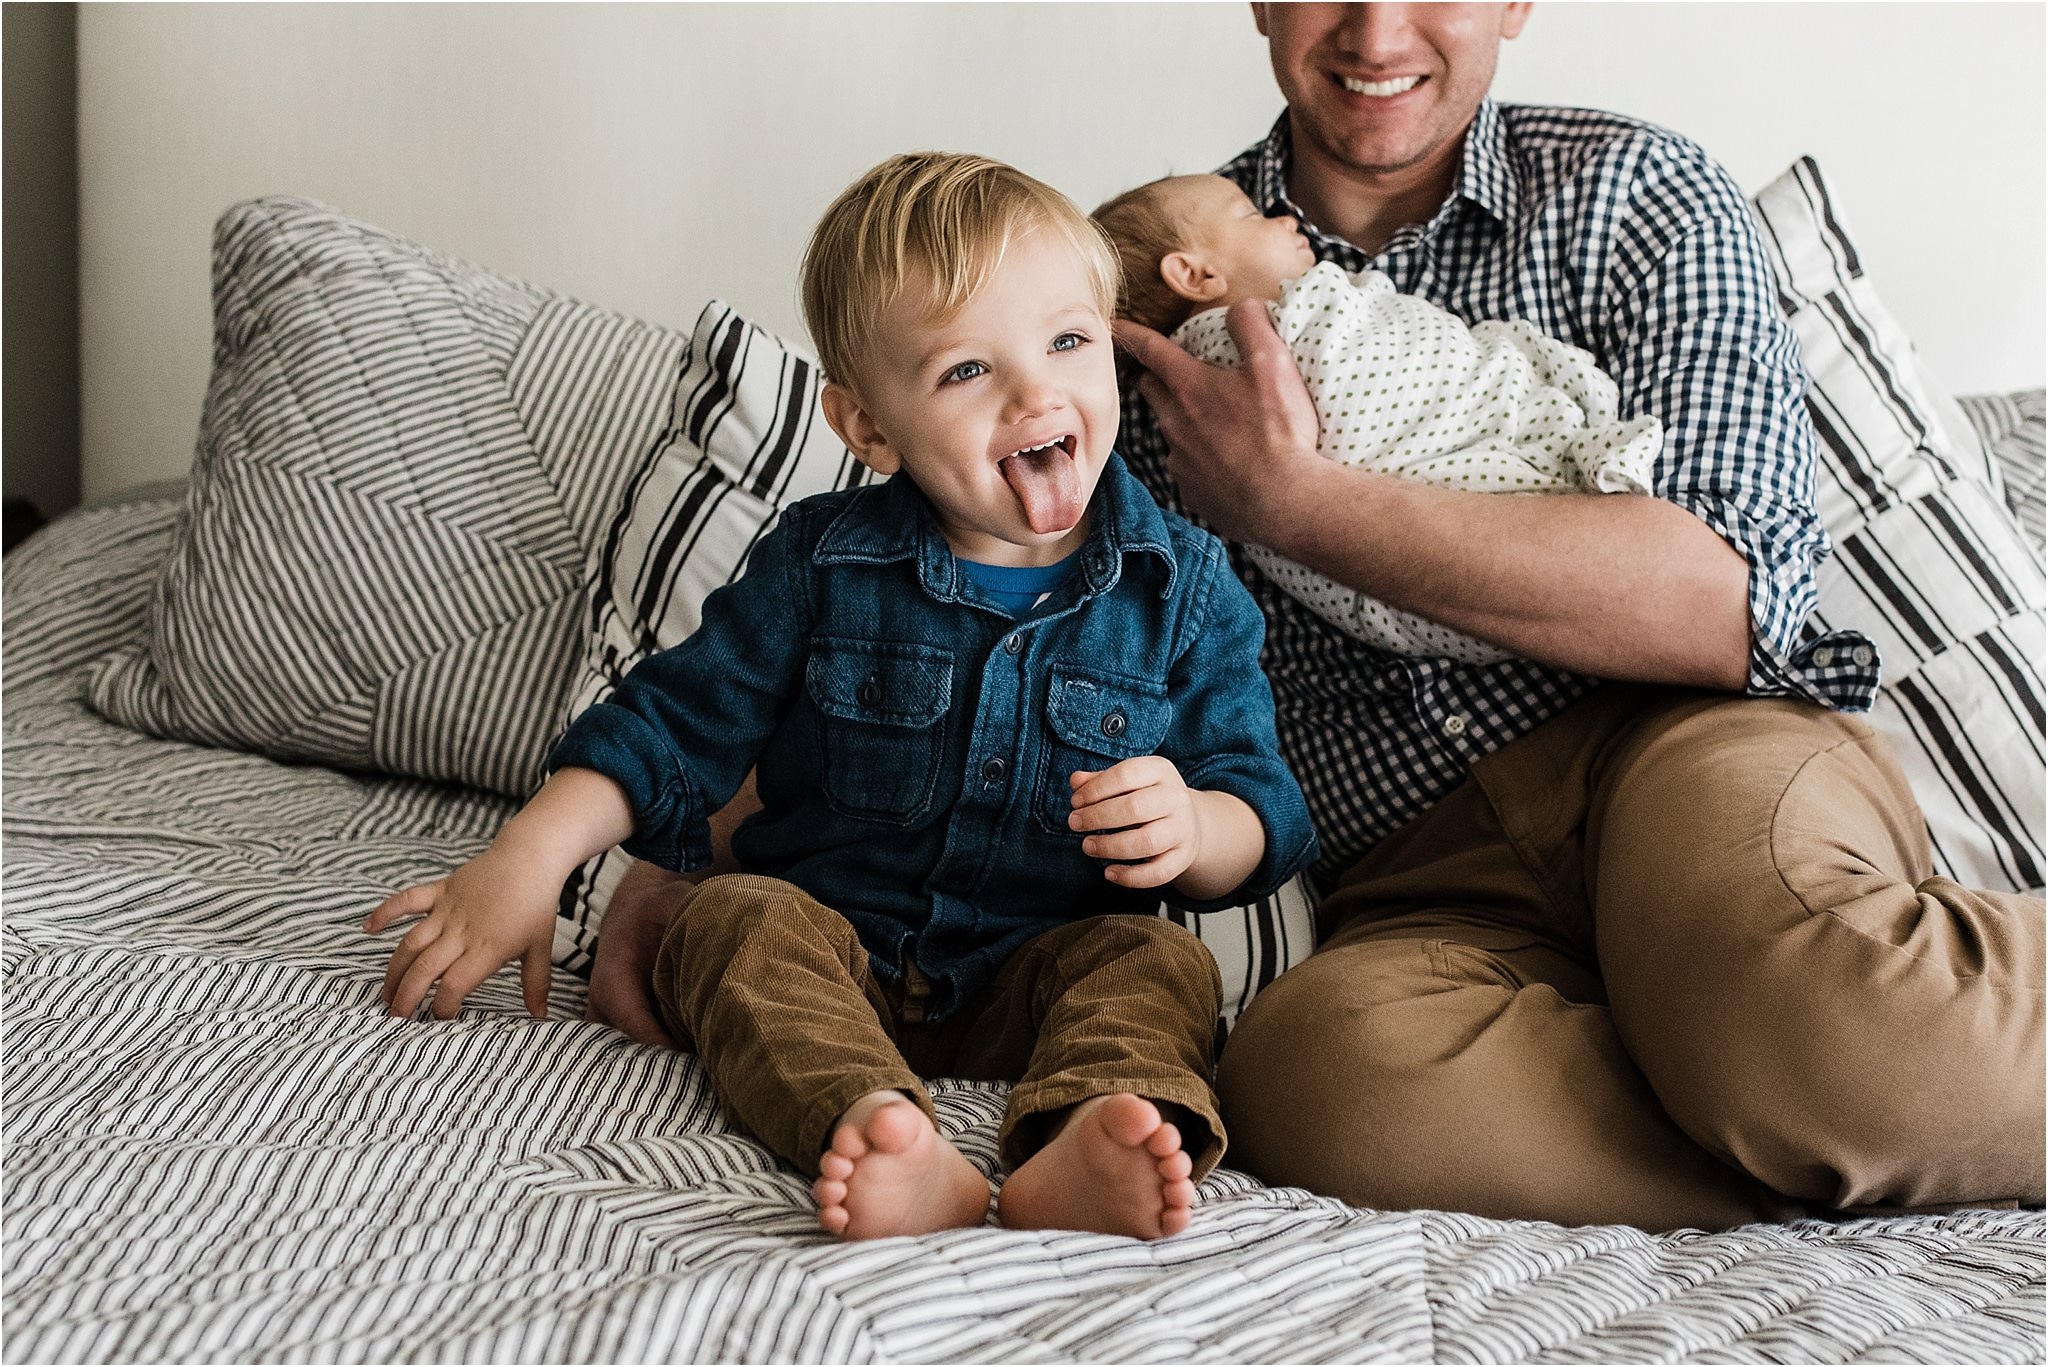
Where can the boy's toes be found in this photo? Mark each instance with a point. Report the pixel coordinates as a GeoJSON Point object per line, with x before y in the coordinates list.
{"type": "Point", "coordinates": [1173, 1220]}
{"type": "Point", "coordinates": [848, 1145]}
{"type": "Point", "coordinates": [1132, 1121]}
{"type": "Point", "coordinates": [890, 1172]}
{"type": "Point", "coordinates": [1163, 1141]}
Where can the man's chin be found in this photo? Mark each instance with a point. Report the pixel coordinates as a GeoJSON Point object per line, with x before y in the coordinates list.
{"type": "Point", "coordinates": [1376, 157]}
{"type": "Point", "coordinates": [1376, 151]}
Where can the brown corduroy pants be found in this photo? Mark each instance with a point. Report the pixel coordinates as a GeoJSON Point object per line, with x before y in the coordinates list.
{"type": "Point", "coordinates": [775, 992]}
{"type": "Point", "coordinates": [1669, 960]}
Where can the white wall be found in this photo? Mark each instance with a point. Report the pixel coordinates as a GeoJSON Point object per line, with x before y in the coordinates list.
{"type": "Point", "coordinates": [649, 157]}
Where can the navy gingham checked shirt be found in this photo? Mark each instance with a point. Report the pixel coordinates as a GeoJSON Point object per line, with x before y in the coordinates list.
{"type": "Point", "coordinates": [1626, 240]}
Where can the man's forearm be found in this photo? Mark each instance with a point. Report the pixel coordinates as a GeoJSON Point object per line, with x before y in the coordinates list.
{"type": "Point", "coordinates": [1613, 585]}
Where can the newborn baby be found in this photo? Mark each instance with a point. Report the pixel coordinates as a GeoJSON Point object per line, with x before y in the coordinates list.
{"type": "Point", "coordinates": [1401, 386]}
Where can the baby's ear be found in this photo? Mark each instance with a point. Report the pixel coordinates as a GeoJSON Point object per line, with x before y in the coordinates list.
{"type": "Point", "coordinates": [1190, 277]}
{"type": "Point", "coordinates": [856, 427]}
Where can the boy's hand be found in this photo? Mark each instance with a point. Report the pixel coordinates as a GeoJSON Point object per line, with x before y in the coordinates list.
{"type": "Point", "coordinates": [1148, 816]}
{"type": "Point", "coordinates": [491, 910]}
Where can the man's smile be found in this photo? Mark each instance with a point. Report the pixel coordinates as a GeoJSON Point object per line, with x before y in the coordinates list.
{"type": "Point", "coordinates": [1398, 85]}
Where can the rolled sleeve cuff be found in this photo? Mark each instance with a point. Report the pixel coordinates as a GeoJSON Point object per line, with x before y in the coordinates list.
{"type": "Point", "coordinates": [1291, 844]}
{"type": "Point", "coordinates": [1839, 670]}
{"type": "Point", "coordinates": [672, 826]}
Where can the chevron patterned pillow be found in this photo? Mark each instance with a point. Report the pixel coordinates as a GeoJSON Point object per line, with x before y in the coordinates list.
{"type": "Point", "coordinates": [404, 463]}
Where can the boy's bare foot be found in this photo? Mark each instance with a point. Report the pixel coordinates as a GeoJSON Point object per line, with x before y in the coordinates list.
{"type": "Point", "coordinates": [889, 1172]}
{"type": "Point", "coordinates": [1116, 1167]}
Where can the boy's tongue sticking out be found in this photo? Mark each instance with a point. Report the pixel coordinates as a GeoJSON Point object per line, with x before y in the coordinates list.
{"type": "Point", "coordinates": [1048, 483]}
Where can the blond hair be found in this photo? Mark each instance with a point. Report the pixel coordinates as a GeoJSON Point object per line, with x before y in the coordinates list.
{"type": "Point", "coordinates": [1143, 229]}
{"type": "Point", "coordinates": [936, 224]}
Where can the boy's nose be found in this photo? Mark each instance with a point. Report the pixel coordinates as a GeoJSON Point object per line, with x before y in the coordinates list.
{"type": "Point", "coordinates": [1032, 396]}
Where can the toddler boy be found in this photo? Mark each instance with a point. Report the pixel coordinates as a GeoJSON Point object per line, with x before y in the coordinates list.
{"type": "Point", "coordinates": [1400, 385]}
{"type": "Point", "coordinates": [992, 705]}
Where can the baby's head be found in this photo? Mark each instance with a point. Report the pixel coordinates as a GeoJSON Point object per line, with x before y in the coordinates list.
{"type": "Point", "coordinates": [961, 311]}
{"type": "Point", "coordinates": [1189, 243]}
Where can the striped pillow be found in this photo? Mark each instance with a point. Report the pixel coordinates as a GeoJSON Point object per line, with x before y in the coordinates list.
{"type": "Point", "coordinates": [1929, 561]}
{"type": "Point", "coordinates": [745, 435]}
{"type": "Point", "coordinates": [2014, 429]}
{"type": "Point", "coordinates": [403, 464]}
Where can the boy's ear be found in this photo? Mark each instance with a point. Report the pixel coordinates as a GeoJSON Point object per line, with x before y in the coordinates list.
{"type": "Point", "coordinates": [1190, 277]}
{"type": "Point", "coordinates": [856, 427]}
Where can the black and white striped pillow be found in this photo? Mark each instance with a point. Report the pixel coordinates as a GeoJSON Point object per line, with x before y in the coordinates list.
{"type": "Point", "coordinates": [404, 462]}
{"type": "Point", "coordinates": [1929, 561]}
{"type": "Point", "coordinates": [745, 435]}
{"type": "Point", "coordinates": [2014, 429]}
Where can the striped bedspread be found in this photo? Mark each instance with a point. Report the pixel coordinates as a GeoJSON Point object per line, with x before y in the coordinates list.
{"type": "Point", "coordinates": [218, 1149]}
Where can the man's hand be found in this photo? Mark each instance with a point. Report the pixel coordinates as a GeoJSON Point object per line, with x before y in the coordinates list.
{"type": "Point", "coordinates": [1239, 441]}
{"type": "Point", "coordinates": [622, 972]}
{"type": "Point", "coordinates": [1160, 831]}
{"type": "Point", "coordinates": [1613, 585]}
{"type": "Point", "coordinates": [496, 908]}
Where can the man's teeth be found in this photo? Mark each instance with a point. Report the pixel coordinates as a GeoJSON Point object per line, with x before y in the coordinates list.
{"type": "Point", "coordinates": [1381, 88]}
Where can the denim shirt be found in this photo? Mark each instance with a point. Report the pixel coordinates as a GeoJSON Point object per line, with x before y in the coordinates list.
{"type": "Point", "coordinates": [912, 739]}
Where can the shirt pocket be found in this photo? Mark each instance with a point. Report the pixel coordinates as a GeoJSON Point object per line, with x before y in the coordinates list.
{"type": "Point", "coordinates": [880, 706]}
{"type": "Point", "coordinates": [1093, 720]}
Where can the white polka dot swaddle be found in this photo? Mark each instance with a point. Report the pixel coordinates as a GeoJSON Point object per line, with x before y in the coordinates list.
{"type": "Point", "coordinates": [1406, 388]}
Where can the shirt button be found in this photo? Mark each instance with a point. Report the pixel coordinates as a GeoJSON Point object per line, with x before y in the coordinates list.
{"type": "Point", "coordinates": [993, 770]}
{"type": "Point", "coordinates": [869, 693]}
{"type": "Point", "coordinates": [1454, 725]}
{"type": "Point", "coordinates": [1012, 644]}
{"type": "Point", "coordinates": [1863, 655]}
{"type": "Point", "coordinates": [1113, 725]}
{"type": "Point", "coordinates": [1823, 657]}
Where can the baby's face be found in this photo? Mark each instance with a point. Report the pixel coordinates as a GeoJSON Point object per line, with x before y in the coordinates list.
{"type": "Point", "coordinates": [1254, 254]}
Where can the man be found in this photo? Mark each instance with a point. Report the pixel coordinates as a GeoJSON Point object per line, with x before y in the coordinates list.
{"type": "Point", "coordinates": [1662, 950]}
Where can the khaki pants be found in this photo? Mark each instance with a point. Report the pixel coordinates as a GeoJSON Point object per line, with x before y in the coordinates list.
{"type": "Point", "coordinates": [775, 991]}
{"type": "Point", "coordinates": [1669, 960]}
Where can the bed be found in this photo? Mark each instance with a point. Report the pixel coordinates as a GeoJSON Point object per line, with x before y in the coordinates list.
{"type": "Point", "coordinates": [237, 716]}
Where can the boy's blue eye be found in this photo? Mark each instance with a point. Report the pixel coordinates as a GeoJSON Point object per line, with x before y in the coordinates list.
{"type": "Point", "coordinates": [1067, 341]}
{"type": "Point", "coordinates": [966, 370]}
